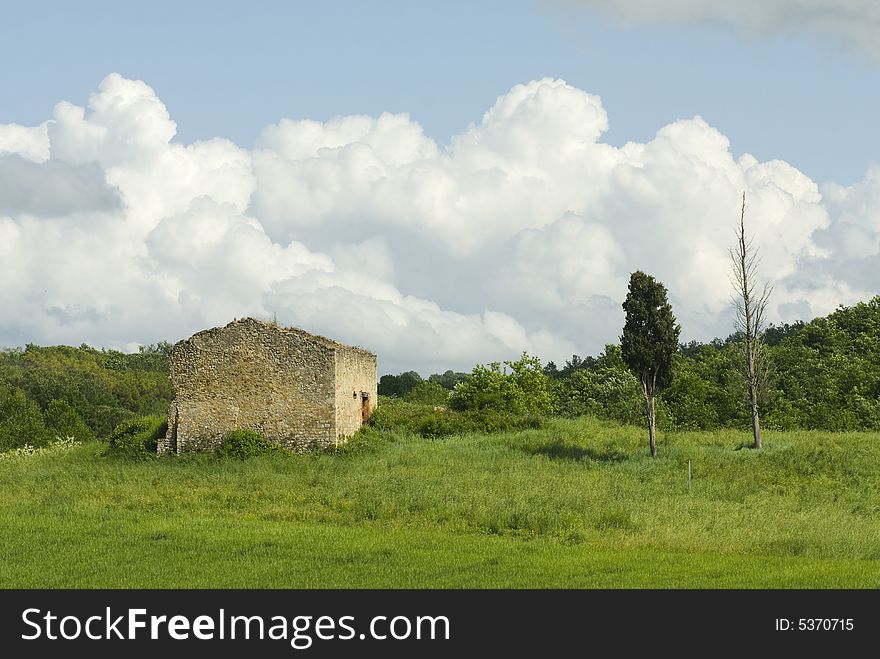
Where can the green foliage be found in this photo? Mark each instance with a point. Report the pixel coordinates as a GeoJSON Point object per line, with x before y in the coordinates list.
{"type": "Point", "coordinates": [20, 421]}
{"type": "Point", "coordinates": [243, 443]}
{"type": "Point", "coordinates": [428, 393]}
{"type": "Point", "coordinates": [410, 386]}
{"type": "Point", "coordinates": [490, 421]}
{"type": "Point", "coordinates": [104, 387]}
{"type": "Point", "coordinates": [691, 398]}
{"type": "Point", "coordinates": [828, 372]}
{"type": "Point", "coordinates": [523, 390]}
{"type": "Point", "coordinates": [431, 421]}
{"type": "Point", "coordinates": [650, 334]}
{"type": "Point", "coordinates": [707, 391]}
{"type": "Point", "coordinates": [398, 385]}
{"type": "Point", "coordinates": [609, 391]}
{"type": "Point", "coordinates": [488, 387]}
{"type": "Point", "coordinates": [366, 440]}
{"type": "Point", "coordinates": [827, 376]}
{"type": "Point", "coordinates": [63, 421]}
{"type": "Point", "coordinates": [571, 365]}
{"type": "Point", "coordinates": [606, 393]}
{"type": "Point", "coordinates": [530, 379]}
{"type": "Point", "coordinates": [137, 437]}
{"type": "Point", "coordinates": [448, 380]}
{"type": "Point", "coordinates": [649, 340]}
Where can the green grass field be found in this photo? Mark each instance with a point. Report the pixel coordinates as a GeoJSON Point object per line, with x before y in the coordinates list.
{"type": "Point", "coordinates": [576, 504]}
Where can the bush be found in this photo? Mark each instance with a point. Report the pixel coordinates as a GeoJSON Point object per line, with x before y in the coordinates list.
{"type": "Point", "coordinates": [21, 422]}
{"type": "Point", "coordinates": [428, 393]}
{"type": "Point", "coordinates": [62, 421]}
{"type": "Point", "coordinates": [242, 444]}
{"type": "Point", "coordinates": [429, 421]}
{"type": "Point", "coordinates": [103, 419]}
{"type": "Point", "coordinates": [488, 388]}
{"type": "Point", "coordinates": [607, 393]}
{"type": "Point", "coordinates": [364, 441]}
{"type": "Point", "coordinates": [138, 437]}
{"type": "Point", "coordinates": [489, 421]}
{"type": "Point", "coordinates": [524, 390]}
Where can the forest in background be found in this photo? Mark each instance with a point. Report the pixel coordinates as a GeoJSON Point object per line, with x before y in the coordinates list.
{"type": "Point", "coordinates": [84, 393]}
{"type": "Point", "coordinates": [825, 375]}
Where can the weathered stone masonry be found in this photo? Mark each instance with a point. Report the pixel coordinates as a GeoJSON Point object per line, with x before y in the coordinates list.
{"type": "Point", "coordinates": [300, 390]}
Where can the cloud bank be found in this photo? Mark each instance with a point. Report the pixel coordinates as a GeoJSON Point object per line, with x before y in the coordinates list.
{"type": "Point", "coordinates": [520, 234]}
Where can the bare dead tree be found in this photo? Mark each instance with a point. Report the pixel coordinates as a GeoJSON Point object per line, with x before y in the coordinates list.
{"type": "Point", "coordinates": [751, 306]}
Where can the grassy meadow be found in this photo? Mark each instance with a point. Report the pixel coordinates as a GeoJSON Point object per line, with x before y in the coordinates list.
{"type": "Point", "coordinates": [577, 503]}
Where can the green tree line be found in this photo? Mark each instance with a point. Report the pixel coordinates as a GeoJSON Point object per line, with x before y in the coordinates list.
{"type": "Point", "coordinates": [825, 375]}
{"type": "Point", "coordinates": [62, 391]}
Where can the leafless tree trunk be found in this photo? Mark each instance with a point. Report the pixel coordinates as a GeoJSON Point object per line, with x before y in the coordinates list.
{"type": "Point", "coordinates": [750, 306]}
{"type": "Point", "coordinates": [648, 389]}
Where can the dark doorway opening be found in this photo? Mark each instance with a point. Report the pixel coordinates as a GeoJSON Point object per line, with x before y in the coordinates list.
{"type": "Point", "coordinates": [365, 407]}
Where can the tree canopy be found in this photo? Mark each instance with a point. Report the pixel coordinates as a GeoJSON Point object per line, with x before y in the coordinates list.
{"type": "Point", "coordinates": [649, 341]}
{"type": "Point", "coordinates": [650, 333]}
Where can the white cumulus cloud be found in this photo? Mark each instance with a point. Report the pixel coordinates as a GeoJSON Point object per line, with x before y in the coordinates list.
{"type": "Point", "coordinates": [519, 234]}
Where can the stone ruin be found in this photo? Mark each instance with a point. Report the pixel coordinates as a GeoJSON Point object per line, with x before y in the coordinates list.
{"type": "Point", "coordinates": [299, 390]}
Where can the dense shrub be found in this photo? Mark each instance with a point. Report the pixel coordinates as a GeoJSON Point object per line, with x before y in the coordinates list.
{"type": "Point", "coordinates": [607, 390]}
{"type": "Point", "coordinates": [607, 394]}
{"type": "Point", "coordinates": [428, 393]}
{"type": "Point", "coordinates": [706, 390]}
{"type": "Point", "coordinates": [489, 421]}
{"type": "Point", "coordinates": [432, 421]}
{"type": "Point", "coordinates": [63, 421]}
{"type": "Point", "coordinates": [524, 389]}
{"type": "Point", "coordinates": [103, 419]}
{"type": "Point", "coordinates": [364, 441]}
{"type": "Point", "coordinates": [395, 414]}
{"type": "Point", "coordinates": [488, 388]}
{"type": "Point", "coordinates": [20, 421]}
{"type": "Point", "coordinates": [138, 437]}
{"type": "Point", "coordinates": [242, 444]}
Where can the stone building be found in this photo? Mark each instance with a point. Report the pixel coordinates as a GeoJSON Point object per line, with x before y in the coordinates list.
{"type": "Point", "coordinates": [299, 390]}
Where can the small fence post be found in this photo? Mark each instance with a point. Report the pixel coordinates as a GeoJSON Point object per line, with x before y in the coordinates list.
{"type": "Point", "coordinates": [689, 476]}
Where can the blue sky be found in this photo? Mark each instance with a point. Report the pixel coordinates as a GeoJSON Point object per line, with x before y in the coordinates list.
{"type": "Point", "coordinates": [444, 183]}
{"type": "Point", "coordinates": [229, 68]}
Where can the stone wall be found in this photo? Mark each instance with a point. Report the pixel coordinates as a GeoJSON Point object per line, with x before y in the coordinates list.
{"type": "Point", "coordinates": [250, 374]}
{"type": "Point", "coordinates": [356, 394]}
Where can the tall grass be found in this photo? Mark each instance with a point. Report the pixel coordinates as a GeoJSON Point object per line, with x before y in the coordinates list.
{"type": "Point", "coordinates": [578, 502]}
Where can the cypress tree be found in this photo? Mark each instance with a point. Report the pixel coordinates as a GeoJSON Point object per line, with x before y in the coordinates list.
{"type": "Point", "coordinates": [650, 339]}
